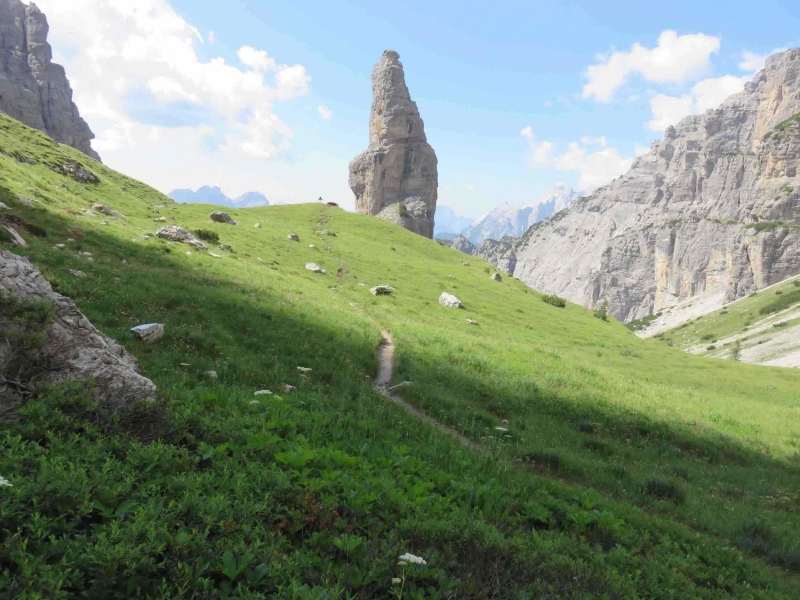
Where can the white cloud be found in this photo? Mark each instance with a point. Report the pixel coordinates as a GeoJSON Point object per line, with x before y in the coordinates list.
{"type": "Point", "coordinates": [705, 95]}
{"type": "Point", "coordinates": [116, 47]}
{"type": "Point", "coordinates": [258, 60]}
{"type": "Point", "coordinates": [668, 110]}
{"type": "Point", "coordinates": [675, 59]}
{"type": "Point", "coordinates": [710, 93]}
{"type": "Point", "coordinates": [470, 187]}
{"type": "Point", "coordinates": [211, 37]}
{"type": "Point", "coordinates": [547, 104]}
{"type": "Point", "coordinates": [166, 89]}
{"type": "Point", "coordinates": [594, 168]}
{"type": "Point", "coordinates": [324, 112]}
{"type": "Point", "coordinates": [752, 62]}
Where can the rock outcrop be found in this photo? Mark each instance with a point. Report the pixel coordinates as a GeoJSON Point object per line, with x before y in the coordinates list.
{"type": "Point", "coordinates": [72, 348]}
{"type": "Point", "coordinates": [396, 178]}
{"type": "Point", "coordinates": [33, 89]}
{"type": "Point", "coordinates": [714, 205]}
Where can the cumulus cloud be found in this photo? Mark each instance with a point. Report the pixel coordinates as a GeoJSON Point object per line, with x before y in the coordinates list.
{"type": "Point", "coordinates": [704, 95]}
{"type": "Point", "coordinates": [470, 187]}
{"type": "Point", "coordinates": [675, 59]}
{"type": "Point", "coordinates": [112, 48]}
{"type": "Point", "coordinates": [594, 168]}
{"type": "Point", "coordinates": [324, 112]}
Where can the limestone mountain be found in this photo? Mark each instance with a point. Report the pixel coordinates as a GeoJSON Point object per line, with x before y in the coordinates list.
{"type": "Point", "coordinates": [396, 178]}
{"type": "Point", "coordinates": [33, 89]}
{"type": "Point", "coordinates": [712, 209]}
{"type": "Point", "coordinates": [515, 219]}
{"type": "Point", "coordinates": [449, 223]}
{"type": "Point", "coordinates": [214, 195]}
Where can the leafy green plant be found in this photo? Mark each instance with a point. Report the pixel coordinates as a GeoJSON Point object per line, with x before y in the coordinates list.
{"type": "Point", "coordinates": [601, 312]}
{"type": "Point", "coordinates": [207, 235]}
{"type": "Point", "coordinates": [554, 300]}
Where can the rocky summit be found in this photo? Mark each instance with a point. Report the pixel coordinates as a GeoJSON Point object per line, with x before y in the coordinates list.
{"type": "Point", "coordinates": [712, 209]}
{"type": "Point", "coordinates": [33, 89]}
{"type": "Point", "coordinates": [396, 178]}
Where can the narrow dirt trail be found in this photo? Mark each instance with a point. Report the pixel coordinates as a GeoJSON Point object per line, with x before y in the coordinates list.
{"type": "Point", "coordinates": [383, 385]}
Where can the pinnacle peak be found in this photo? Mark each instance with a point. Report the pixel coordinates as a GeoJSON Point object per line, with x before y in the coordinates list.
{"type": "Point", "coordinates": [391, 54]}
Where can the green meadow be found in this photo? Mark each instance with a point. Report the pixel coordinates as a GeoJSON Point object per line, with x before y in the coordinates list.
{"type": "Point", "coordinates": [613, 467]}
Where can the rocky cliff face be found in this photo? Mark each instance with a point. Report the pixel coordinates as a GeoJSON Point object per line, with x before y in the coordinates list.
{"type": "Point", "coordinates": [33, 89]}
{"type": "Point", "coordinates": [396, 178]}
{"type": "Point", "coordinates": [714, 205]}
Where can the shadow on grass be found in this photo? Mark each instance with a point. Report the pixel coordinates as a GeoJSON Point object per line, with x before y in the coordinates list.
{"type": "Point", "coordinates": [256, 341]}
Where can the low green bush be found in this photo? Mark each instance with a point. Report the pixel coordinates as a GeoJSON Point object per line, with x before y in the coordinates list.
{"type": "Point", "coordinates": [554, 300]}
{"type": "Point", "coordinates": [207, 235]}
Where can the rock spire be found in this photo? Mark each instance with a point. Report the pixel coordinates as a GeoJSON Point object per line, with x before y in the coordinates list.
{"type": "Point", "coordinates": [33, 89]}
{"type": "Point", "coordinates": [396, 178]}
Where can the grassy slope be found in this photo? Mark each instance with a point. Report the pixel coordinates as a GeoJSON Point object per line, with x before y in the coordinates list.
{"type": "Point", "coordinates": [743, 319]}
{"type": "Point", "coordinates": [327, 486]}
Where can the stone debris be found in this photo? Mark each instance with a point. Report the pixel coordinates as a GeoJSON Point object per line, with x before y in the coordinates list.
{"type": "Point", "coordinates": [15, 237]}
{"type": "Point", "coordinates": [288, 389]}
{"type": "Point", "coordinates": [214, 255]}
{"type": "Point", "coordinates": [293, 237]}
{"type": "Point", "coordinates": [449, 301]}
{"type": "Point", "coordinates": [173, 233]}
{"type": "Point", "coordinates": [25, 200]}
{"type": "Point", "coordinates": [60, 246]}
{"type": "Point", "coordinates": [304, 369]}
{"type": "Point", "coordinates": [496, 277]}
{"type": "Point", "coordinates": [210, 374]}
{"type": "Point", "coordinates": [3, 206]}
{"type": "Point", "coordinates": [257, 225]}
{"type": "Point", "coordinates": [382, 290]}
{"type": "Point", "coordinates": [101, 208]}
{"type": "Point", "coordinates": [73, 349]}
{"type": "Point", "coordinates": [227, 248]}
{"type": "Point", "coordinates": [77, 273]}
{"type": "Point", "coordinates": [471, 322]}
{"type": "Point", "coordinates": [221, 217]}
{"type": "Point", "coordinates": [263, 393]}
{"type": "Point", "coordinates": [150, 332]}
{"type": "Point", "coordinates": [160, 220]}
{"type": "Point", "coordinates": [314, 268]}
{"type": "Point", "coordinates": [328, 233]}
{"type": "Point", "coordinates": [396, 178]}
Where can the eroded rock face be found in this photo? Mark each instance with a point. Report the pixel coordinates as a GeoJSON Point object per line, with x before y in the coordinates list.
{"type": "Point", "coordinates": [396, 178]}
{"type": "Point", "coordinates": [33, 89]}
{"type": "Point", "coordinates": [73, 349]}
{"type": "Point", "coordinates": [705, 209]}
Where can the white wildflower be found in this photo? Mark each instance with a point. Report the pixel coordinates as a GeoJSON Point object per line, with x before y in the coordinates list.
{"type": "Point", "coordinates": [5, 482]}
{"type": "Point", "coordinates": [254, 402]}
{"type": "Point", "coordinates": [263, 393]}
{"type": "Point", "coordinates": [303, 369]}
{"type": "Point", "coordinates": [500, 429]}
{"type": "Point", "coordinates": [396, 580]}
{"type": "Point", "coordinates": [409, 558]}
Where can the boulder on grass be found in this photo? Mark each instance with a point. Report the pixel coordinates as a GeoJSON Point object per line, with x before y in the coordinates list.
{"type": "Point", "coordinates": [150, 332]}
{"type": "Point", "coordinates": [382, 290]}
{"type": "Point", "coordinates": [449, 301]}
{"type": "Point", "coordinates": [221, 217]}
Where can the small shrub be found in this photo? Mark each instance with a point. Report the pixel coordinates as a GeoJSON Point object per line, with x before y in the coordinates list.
{"type": "Point", "coordinates": [543, 460]}
{"type": "Point", "coordinates": [588, 428]}
{"type": "Point", "coordinates": [736, 351]}
{"type": "Point", "coordinates": [709, 336]}
{"type": "Point", "coordinates": [554, 300]}
{"type": "Point", "coordinates": [207, 235]}
{"type": "Point", "coordinates": [781, 303]}
{"type": "Point", "coordinates": [781, 324]}
{"type": "Point", "coordinates": [796, 283]}
{"type": "Point", "coordinates": [711, 347]}
{"type": "Point", "coordinates": [665, 490]}
{"type": "Point", "coordinates": [602, 311]}
{"type": "Point", "coordinates": [598, 447]}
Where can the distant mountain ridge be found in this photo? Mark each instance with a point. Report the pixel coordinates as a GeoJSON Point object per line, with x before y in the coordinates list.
{"type": "Point", "coordinates": [214, 195]}
{"type": "Point", "coordinates": [505, 220]}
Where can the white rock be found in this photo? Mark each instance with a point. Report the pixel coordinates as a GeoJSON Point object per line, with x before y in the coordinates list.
{"type": "Point", "coordinates": [362, 284]}
{"type": "Point", "coordinates": [496, 277]}
{"type": "Point", "coordinates": [257, 225]}
{"type": "Point", "coordinates": [294, 237]}
{"type": "Point", "coordinates": [85, 253]}
{"type": "Point", "coordinates": [70, 240]}
{"type": "Point", "coordinates": [471, 322]}
{"type": "Point", "coordinates": [214, 255]}
{"type": "Point", "coordinates": [303, 369]}
{"type": "Point", "coordinates": [16, 238]}
{"type": "Point", "coordinates": [77, 273]}
{"type": "Point", "coordinates": [59, 246]}
{"type": "Point", "coordinates": [150, 332]}
{"type": "Point", "coordinates": [263, 393]}
{"type": "Point", "coordinates": [312, 245]}
{"type": "Point", "coordinates": [288, 389]}
{"type": "Point", "coordinates": [104, 223]}
{"type": "Point", "coordinates": [25, 200]}
{"type": "Point", "coordinates": [3, 206]}
{"type": "Point", "coordinates": [314, 268]}
{"type": "Point", "coordinates": [211, 374]}
{"type": "Point", "coordinates": [449, 300]}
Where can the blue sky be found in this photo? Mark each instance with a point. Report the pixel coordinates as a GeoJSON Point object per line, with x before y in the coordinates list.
{"type": "Point", "coordinates": [515, 96]}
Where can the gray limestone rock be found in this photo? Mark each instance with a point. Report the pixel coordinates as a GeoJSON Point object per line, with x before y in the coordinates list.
{"type": "Point", "coordinates": [382, 290]}
{"type": "Point", "coordinates": [173, 233]}
{"type": "Point", "coordinates": [150, 332]}
{"type": "Point", "coordinates": [33, 89]}
{"type": "Point", "coordinates": [73, 349]}
{"type": "Point", "coordinates": [221, 217]}
{"type": "Point", "coordinates": [101, 208]}
{"type": "Point", "coordinates": [449, 301]}
{"type": "Point", "coordinates": [293, 237]}
{"type": "Point", "coordinates": [314, 268]}
{"type": "Point", "coordinates": [396, 178]}
{"type": "Point", "coordinates": [713, 206]}
{"type": "Point", "coordinates": [496, 277]}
